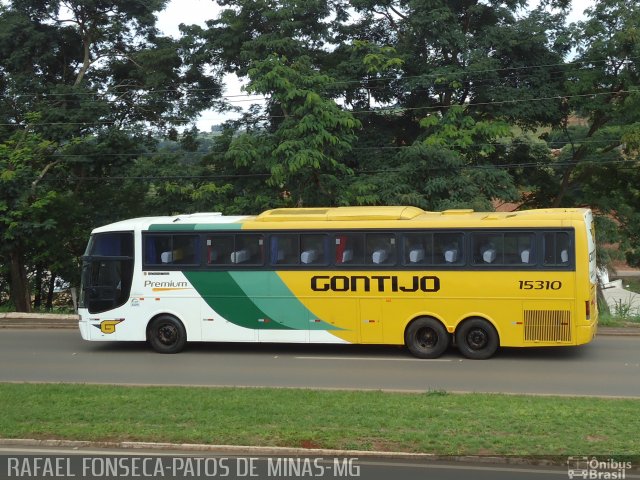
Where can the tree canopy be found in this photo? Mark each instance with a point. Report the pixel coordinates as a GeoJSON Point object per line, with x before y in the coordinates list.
{"type": "Point", "coordinates": [429, 103]}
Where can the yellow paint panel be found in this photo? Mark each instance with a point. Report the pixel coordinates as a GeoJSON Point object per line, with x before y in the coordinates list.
{"type": "Point", "coordinates": [375, 307]}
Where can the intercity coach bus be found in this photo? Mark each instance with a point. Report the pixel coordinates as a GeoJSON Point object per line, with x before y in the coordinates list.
{"type": "Point", "coordinates": [372, 275]}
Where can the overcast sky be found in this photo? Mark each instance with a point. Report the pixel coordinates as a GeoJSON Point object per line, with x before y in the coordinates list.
{"type": "Point", "coordinates": [199, 11]}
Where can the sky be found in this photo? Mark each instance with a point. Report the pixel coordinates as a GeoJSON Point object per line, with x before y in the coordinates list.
{"type": "Point", "coordinates": [199, 11]}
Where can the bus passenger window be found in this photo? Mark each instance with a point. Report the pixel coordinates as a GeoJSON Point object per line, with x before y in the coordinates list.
{"type": "Point", "coordinates": [448, 248]}
{"type": "Point", "coordinates": [349, 249]}
{"type": "Point", "coordinates": [219, 248]}
{"type": "Point", "coordinates": [557, 248]}
{"type": "Point", "coordinates": [155, 246]}
{"type": "Point", "coordinates": [284, 250]}
{"type": "Point", "coordinates": [186, 249]}
{"type": "Point", "coordinates": [418, 248]}
{"type": "Point", "coordinates": [166, 249]}
{"type": "Point", "coordinates": [518, 249]}
{"type": "Point", "coordinates": [502, 248]}
{"type": "Point", "coordinates": [380, 249]}
{"type": "Point", "coordinates": [488, 248]}
{"type": "Point", "coordinates": [313, 249]}
{"type": "Point", "coordinates": [248, 249]}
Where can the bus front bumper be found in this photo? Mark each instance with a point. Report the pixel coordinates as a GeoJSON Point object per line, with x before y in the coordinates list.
{"type": "Point", "coordinates": [84, 327]}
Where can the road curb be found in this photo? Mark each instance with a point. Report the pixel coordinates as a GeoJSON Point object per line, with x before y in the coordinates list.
{"type": "Point", "coordinates": [38, 320]}
{"type": "Point", "coordinates": [619, 331]}
{"type": "Point", "coordinates": [261, 451]}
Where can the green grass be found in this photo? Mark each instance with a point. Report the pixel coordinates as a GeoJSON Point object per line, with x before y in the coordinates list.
{"type": "Point", "coordinates": [9, 308]}
{"type": "Point", "coordinates": [435, 422]}
{"type": "Point", "coordinates": [615, 320]}
{"type": "Point", "coordinates": [631, 283]}
{"type": "Point", "coordinates": [623, 314]}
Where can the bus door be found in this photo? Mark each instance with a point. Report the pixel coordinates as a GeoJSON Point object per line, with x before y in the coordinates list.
{"type": "Point", "coordinates": [371, 320]}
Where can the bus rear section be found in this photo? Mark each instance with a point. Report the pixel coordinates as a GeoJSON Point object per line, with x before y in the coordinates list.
{"type": "Point", "coordinates": [586, 279]}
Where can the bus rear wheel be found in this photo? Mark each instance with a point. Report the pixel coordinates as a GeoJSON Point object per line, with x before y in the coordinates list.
{"type": "Point", "coordinates": [166, 334]}
{"type": "Point", "coordinates": [477, 339]}
{"type": "Point", "coordinates": [426, 337]}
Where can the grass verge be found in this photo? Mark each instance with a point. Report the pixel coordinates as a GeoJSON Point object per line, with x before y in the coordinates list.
{"type": "Point", "coordinates": [433, 422]}
{"type": "Point", "coordinates": [631, 283]}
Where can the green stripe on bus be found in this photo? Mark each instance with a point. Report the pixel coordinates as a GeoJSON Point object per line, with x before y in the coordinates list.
{"type": "Point", "coordinates": [226, 298]}
{"type": "Point", "coordinates": [256, 300]}
{"type": "Point", "coordinates": [219, 226]}
{"type": "Point", "coordinates": [278, 301]}
{"type": "Point", "coordinates": [171, 228]}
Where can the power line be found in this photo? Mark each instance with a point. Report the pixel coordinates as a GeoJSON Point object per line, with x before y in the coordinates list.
{"type": "Point", "coordinates": [199, 154]}
{"type": "Point", "coordinates": [245, 98]}
{"type": "Point", "coordinates": [388, 109]}
{"type": "Point", "coordinates": [119, 90]}
{"type": "Point", "coordinates": [625, 164]}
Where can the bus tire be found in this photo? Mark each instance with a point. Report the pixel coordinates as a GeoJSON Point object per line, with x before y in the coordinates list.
{"type": "Point", "coordinates": [477, 339]}
{"type": "Point", "coordinates": [166, 334]}
{"type": "Point", "coordinates": [426, 337]}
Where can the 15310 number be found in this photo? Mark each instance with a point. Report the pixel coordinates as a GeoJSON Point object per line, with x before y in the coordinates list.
{"type": "Point", "coordinates": [540, 284]}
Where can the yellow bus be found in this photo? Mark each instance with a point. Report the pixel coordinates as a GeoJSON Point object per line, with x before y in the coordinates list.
{"type": "Point", "coordinates": [389, 275]}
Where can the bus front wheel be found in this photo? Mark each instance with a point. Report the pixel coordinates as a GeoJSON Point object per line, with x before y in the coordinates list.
{"type": "Point", "coordinates": [166, 334]}
{"type": "Point", "coordinates": [477, 339]}
{"type": "Point", "coordinates": [426, 337]}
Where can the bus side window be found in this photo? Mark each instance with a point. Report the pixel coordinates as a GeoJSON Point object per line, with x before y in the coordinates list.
{"type": "Point", "coordinates": [313, 249]}
{"type": "Point", "coordinates": [418, 248]}
{"type": "Point", "coordinates": [284, 249]}
{"type": "Point", "coordinates": [186, 249]}
{"type": "Point", "coordinates": [155, 245]}
{"type": "Point", "coordinates": [557, 248]}
{"type": "Point", "coordinates": [248, 249]}
{"type": "Point", "coordinates": [487, 248]}
{"type": "Point", "coordinates": [219, 248]}
{"type": "Point", "coordinates": [503, 248]}
{"type": "Point", "coordinates": [349, 249]}
{"type": "Point", "coordinates": [518, 249]}
{"type": "Point", "coordinates": [448, 248]}
{"type": "Point", "coordinates": [167, 249]}
{"type": "Point", "coordinates": [380, 249]}
{"type": "Point", "coordinates": [341, 248]}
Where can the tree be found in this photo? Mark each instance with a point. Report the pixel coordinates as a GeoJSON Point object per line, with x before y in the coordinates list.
{"type": "Point", "coordinates": [91, 81]}
{"type": "Point", "coordinates": [456, 77]}
{"type": "Point", "coordinates": [24, 203]}
{"type": "Point", "coordinates": [598, 140]}
{"type": "Point", "coordinates": [309, 134]}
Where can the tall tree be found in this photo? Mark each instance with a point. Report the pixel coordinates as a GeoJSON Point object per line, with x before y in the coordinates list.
{"type": "Point", "coordinates": [24, 162]}
{"type": "Point", "coordinates": [309, 136]}
{"type": "Point", "coordinates": [396, 63]}
{"type": "Point", "coordinates": [598, 142]}
{"type": "Point", "coordinates": [89, 79]}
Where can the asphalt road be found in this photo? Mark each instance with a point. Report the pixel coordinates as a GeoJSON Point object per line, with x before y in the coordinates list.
{"type": "Point", "coordinates": [609, 366]}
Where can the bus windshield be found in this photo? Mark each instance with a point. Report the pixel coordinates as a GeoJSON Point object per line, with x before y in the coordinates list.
{"type": "Point", "coordinates": [107, 271]}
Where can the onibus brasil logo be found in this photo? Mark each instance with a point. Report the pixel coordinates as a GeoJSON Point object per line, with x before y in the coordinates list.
{"type": "Point", "coordinates": [593, 468]}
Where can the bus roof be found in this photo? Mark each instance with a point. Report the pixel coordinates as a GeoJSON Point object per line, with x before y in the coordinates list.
{"type": "Point", "coordinates": [399, 216]}
{"type": "Point", "coordinates": [334, 217]}
{"type": "Point", "coordinates": [192, 221]}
